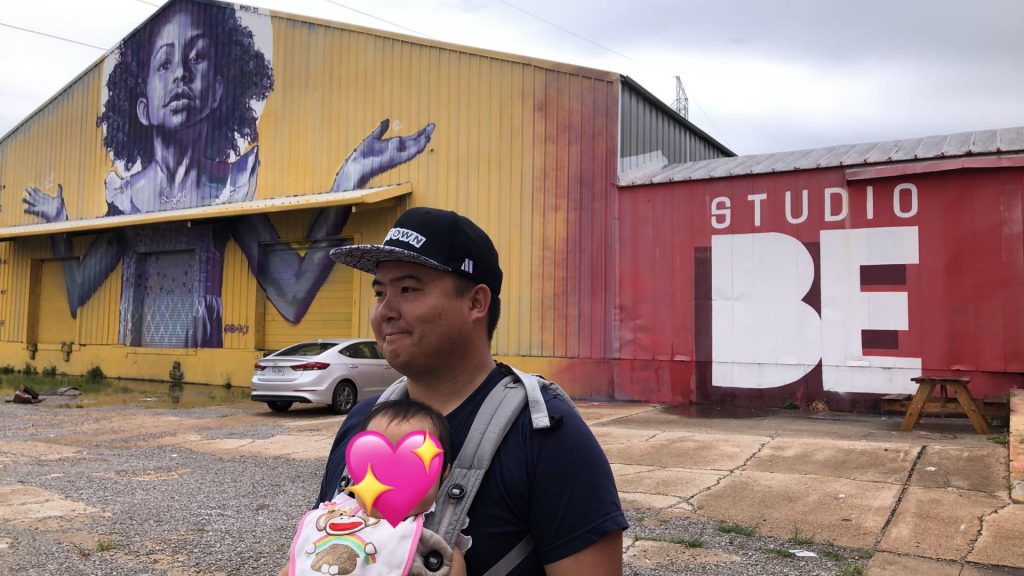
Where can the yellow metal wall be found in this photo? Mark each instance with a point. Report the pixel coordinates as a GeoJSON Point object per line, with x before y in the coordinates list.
{"type": "Point", "coordinates": [525, 148]}
{"type": "Point", "coordinates": [50, 313]}
{"type": "Point", "coordinates": [59, 144]}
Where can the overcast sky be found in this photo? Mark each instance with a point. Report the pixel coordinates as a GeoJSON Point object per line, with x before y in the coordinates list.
{"type": "Point", "coordinates": [761, 76]}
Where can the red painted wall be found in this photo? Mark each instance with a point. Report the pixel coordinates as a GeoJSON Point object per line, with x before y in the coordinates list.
{"type": "Point", "coordinates": [764, 305]}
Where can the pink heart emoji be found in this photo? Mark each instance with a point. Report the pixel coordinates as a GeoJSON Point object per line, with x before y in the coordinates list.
{"type": "Point", "coordinates": [401, 476]}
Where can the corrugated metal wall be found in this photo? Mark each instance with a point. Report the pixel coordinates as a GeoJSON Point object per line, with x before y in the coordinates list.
{"type": "Point", "coordinates": [649, 126]}
{"type": "Point", "coordinates": [60, 144]}
{"type": "Point", "coordinates": [525, 148]}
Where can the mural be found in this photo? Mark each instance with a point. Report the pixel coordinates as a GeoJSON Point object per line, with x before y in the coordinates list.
{"type": "Point", "coordinates": [810, 285]}
{"type": "Point", "coordinates": [180, 123]}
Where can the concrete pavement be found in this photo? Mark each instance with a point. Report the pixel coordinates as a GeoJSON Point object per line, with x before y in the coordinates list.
{"type": "Point", "coordinates": [932, 501]}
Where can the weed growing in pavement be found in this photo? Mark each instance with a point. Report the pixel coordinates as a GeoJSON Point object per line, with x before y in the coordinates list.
{"type": "Point", "coordinates": [95, 373]}
{"type": "Point", "coordinates": [865, 554]}
{"type": "Point", "coordinates": [1000, 439]}
{"type": "Point", "coordinates": [780, 552]}
{"type": "Point", "coordinates": [104, 545]}
{"type": "Point", "coordinates": [50, 371]}
{"type": "Point", "coordinates": [733, 528]}
{"type": "Point", "coordinates": [798, 540]}
{"type": "Point", "coordinates": [852, 570]}
{"type": "Point", "coordinates": [29, 369]}
{"type": "Point", "coordinates": [832, 555]}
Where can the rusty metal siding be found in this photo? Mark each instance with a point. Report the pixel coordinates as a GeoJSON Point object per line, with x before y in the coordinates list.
{"type": "Point", "coordinates": [650, 127]}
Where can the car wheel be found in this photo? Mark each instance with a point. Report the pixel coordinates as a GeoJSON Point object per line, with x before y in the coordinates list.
{"type": "Point", "coordinates": [344, 397]}
{"type": "Point", "coordinates": [278, 406]}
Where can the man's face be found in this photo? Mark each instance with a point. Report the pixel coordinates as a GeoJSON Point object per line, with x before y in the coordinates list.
{"type": "Point", "coordinates": [181, 87]}
{"type": "Point", "coordinates": [420, 321]}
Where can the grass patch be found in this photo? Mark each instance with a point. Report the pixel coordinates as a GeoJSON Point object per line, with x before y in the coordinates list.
{"type": "Point", "coordinates": [1003, 439]}
{"type": "Point", "coordinates": [688, 542]}
{"type": "Point", "coordinates": [800, 540]}
{"type": "Point", "coordinates": [832, 555]}
{"type": "Point", "coordinates": [733, 528]}
{"type": "Point", "coordinates": [780, 552]}
{"type": "Point", "coordinates": [7, 369]}
{"type": "Point", "coordinates": [852, 570]}
{"type": "Point", "coordinates": [864, 554]}
{"type": "Point", "coordinates": [105, 545]}
{"type": "Point", "coordinates": [95, 373]}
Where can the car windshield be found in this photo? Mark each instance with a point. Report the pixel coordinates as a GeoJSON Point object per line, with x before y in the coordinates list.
{"type": "Point", "coordinates": [307, 349]}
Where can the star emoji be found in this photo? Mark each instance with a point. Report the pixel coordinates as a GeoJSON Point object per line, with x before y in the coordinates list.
{"type": "Point", "coordinates": [427, 451]}
{"type": "Point", "coordinates": [369, 489]}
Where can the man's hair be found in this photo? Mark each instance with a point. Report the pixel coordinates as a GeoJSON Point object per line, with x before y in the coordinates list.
{"type": "Point", "coordinates": [464, 285]}
{"type": "Point", "coordinates": [405, 410]}
{"type": "Point", "coordinates": [245, 72]}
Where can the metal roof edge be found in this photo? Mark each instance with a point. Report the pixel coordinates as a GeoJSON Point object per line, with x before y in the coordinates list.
{"type": "Point", "coordinates": [321, 200]}
{"type": "Point", "coordinates": [646, 94]}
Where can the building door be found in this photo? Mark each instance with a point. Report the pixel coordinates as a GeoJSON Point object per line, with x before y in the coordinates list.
{"type": "Point", "coordinates": [168, 305]}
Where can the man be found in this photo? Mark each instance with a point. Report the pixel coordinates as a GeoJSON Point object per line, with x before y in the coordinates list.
{"type": "Point", "coordinates": [437, 284]}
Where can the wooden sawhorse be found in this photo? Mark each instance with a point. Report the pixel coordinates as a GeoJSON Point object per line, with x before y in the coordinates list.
{"type": "Point", "coordinates": [923, 401]}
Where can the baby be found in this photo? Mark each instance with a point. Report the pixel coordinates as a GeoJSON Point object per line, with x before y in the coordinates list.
{"type": "Point", "coordinates": [340, 538]}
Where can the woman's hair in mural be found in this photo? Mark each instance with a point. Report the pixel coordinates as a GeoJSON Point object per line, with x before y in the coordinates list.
{"type": "Point", "coordinates": [246, 74]}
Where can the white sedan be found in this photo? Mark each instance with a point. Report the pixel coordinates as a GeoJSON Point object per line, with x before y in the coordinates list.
{"type": "Point", "coordinates": [332, 372]}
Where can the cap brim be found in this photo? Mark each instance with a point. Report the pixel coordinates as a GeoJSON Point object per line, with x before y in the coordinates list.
{"type": "Point", "coordinates": [365, 257]}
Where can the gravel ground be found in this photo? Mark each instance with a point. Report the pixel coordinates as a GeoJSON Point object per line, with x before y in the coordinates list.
{"type": "Point", "coordinates": [174, 511]}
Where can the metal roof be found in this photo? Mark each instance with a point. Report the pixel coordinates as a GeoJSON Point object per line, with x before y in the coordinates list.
{"type": "Point", "coordinates": [930, 147]}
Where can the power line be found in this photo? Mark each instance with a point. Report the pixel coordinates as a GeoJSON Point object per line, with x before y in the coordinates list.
{"type": "Point", "coordinates": [603, 47]}
{"type": "Point", "coordinates": [566, 30]}
{"type": "Point", "coordinates": [368, 15]}
{"type": "Point", "coordinates": [54, 36]}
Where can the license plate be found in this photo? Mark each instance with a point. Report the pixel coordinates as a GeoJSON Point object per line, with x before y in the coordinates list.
{"type": "Point", "coordinates": [276, 371]}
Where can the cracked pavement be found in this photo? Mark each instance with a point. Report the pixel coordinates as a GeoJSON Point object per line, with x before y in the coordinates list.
{"type": "Point", "coordinates": [932, 501]}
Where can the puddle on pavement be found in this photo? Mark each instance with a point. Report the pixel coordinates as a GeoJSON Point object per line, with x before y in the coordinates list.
{"type": "Point", "coordinates": [725, 411]}
{"type": "Point", "coordinates": [117, 392]}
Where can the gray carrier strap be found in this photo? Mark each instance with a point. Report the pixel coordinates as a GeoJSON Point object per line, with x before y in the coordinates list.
{"type": "Point", "coordinates": [538, 409]}
{"type": "Point", "coordinates": [398, 389]}
{"type": "Point", "coordinates": [513, 558]}
{"type": "Point", "coordinates": [496, 415]}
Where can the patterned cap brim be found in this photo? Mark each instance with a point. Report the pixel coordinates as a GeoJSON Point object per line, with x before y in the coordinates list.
{"type": "Point", "coordinates": [365, 257]}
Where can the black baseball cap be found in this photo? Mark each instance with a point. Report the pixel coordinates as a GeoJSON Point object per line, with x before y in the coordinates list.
{"type": "Point", "coordinates": [439, 239]}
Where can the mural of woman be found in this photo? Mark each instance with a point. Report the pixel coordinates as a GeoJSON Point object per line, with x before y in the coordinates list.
{"type": "Point", "coordinates": [179, 110]}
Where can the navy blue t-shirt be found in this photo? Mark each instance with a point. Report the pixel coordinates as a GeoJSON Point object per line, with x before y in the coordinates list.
{"type": "Point", "coordinates": [555, 484]}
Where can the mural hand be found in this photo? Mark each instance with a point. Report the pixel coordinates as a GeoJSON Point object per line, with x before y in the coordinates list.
{"type": "Point", "coordinates": [376, 155]}
{"type": "Point", "coordinates": [42, 205]}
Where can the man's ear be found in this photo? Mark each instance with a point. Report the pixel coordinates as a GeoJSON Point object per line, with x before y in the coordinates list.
{"type": "Point", "coordinates": [142, 110]}
{"type": "Point", "coordinates": [480, 301]}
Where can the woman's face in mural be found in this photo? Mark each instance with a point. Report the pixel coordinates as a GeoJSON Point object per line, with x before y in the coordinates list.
{"type": "Point", "coordinates": [182, 86]}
